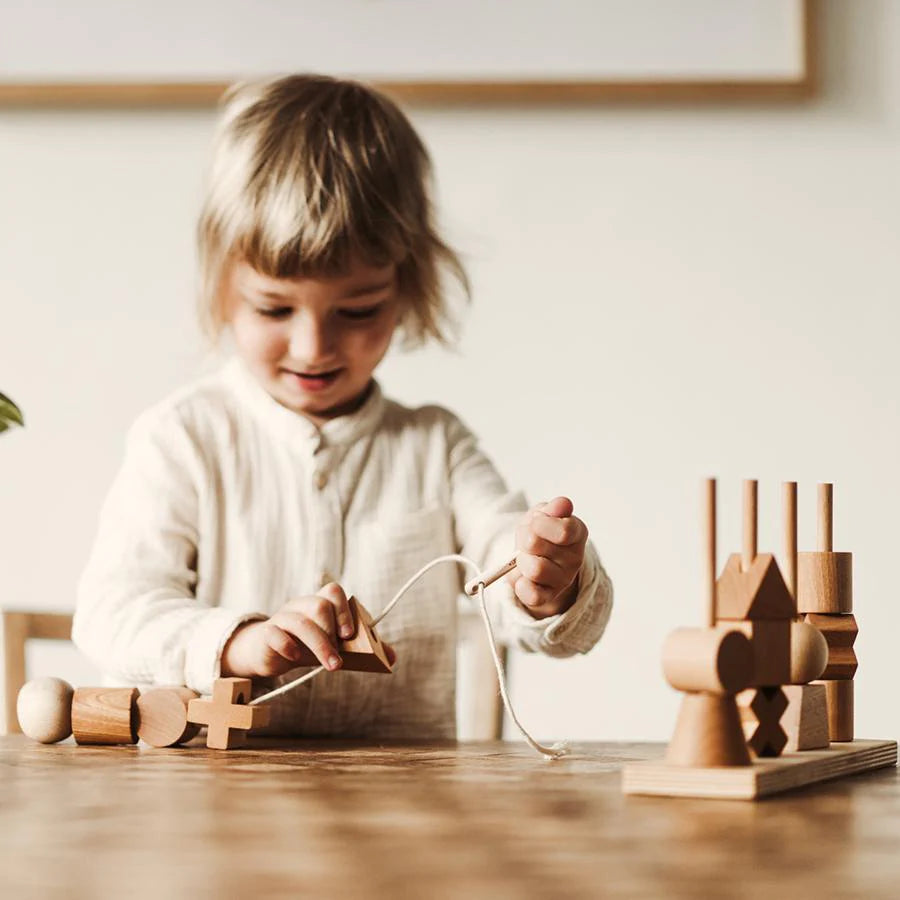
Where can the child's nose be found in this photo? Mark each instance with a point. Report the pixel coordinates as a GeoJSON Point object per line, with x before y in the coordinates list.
{"type": "Point", "coordinates": [311, 340]}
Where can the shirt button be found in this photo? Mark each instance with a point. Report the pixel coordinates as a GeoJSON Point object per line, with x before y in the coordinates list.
{"type": "Point", "coordinates": [321, 479]}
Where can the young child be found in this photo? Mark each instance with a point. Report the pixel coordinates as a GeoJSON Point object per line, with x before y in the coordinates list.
{"type": "Point", "coordinates": [253, 502]}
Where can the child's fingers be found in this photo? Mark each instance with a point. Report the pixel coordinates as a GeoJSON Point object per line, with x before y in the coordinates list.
{"type": "Point", "coordinates": [335, 595]}
{"type": "Point", "coordinates": [543, 572]}
{"type": "Point", "coordinates": [310, 633]}
{"type": "Point", "coordinates": [560, 531]}
{"type": "Point", "coordinates": [534, 595]}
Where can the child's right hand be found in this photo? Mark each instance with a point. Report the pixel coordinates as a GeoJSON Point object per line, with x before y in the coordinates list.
{"type": "Point", "coordinates": [278, 644]}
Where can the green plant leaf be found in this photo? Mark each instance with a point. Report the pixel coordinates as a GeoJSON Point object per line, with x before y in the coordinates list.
{"type": "Point", "coordinates": [10, 414]}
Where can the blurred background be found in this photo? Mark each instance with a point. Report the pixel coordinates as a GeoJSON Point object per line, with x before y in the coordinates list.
{"type": "Point", "coordinates": [662, 291]}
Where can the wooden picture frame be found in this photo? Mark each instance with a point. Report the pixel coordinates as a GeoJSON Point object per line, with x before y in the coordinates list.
{"type": "Point", "coordinates": [79, 72]}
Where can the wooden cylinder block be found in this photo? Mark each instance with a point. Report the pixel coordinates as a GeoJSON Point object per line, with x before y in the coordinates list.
{"type": "Point", "coordinates": [839, 700]}
{"type": "Point", "coordinates": [715, 660]}
{"type": "Point", "coordinates": [162, 716]}
{"type": "Point", "coordinates": [809, 653]}
{"type": "Point", "coordinates": [104, 715]}
{"type": "Point", "coordinates": [825, 583]}
{"type": "Point", "coordinates": [708, 733]}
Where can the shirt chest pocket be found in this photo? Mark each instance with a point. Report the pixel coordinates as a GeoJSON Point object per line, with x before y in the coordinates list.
{"type": "Point", "coordinates": [390, 549]}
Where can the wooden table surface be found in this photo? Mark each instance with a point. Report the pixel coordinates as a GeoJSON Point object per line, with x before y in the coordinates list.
{"type": "Point", "coordinates": [419, 821]}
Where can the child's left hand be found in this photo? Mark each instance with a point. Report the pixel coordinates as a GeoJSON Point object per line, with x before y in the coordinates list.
{"type": "Point", "coordinates": [550, 545]}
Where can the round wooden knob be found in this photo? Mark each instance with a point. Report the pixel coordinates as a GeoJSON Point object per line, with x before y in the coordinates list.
{"type": "Point", "coordinates": [714, 660]}
{"type": "Point", "coordinates": [44, 709]}
{"type": "Point", "coordinates": [809, 653]}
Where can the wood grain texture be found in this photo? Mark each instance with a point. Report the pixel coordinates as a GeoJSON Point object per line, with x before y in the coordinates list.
{"type": "Point", "coordinates": [104, 715]}
{"type": "Point", "coordinates": [805, 721]}
{"type": "Point", "coordinates": [825, 583]}
{"type": "Point", "coordinates": [770, 640]}
{"type": "Point", "coordinates": [764, 777]}
{"type": "Point", "coordinates": [227, 716]}
{"type": "Point", "coordinates": [708, 733]}
{"type": "Point", "coordinates": [809, 653]}
{"type": "Point", "coordinates": [162, 716]}
{"type": "Point", "coordinates": [438, 820]}
{"type": "Point", "coordinates": [761, 710]}
{"type": "Point", "coordinates": [759, 593]}
{"type": "Point", "coordinates": [714, 660]}
{"type": "Point", "coordinates": [839, 699]}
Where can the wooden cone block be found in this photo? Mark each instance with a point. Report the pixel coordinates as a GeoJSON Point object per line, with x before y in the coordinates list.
{"type": "Point", "coordinates": [708, 733]}
{"type": "Point", "coordinates": [104, 715]}
{"type": "Point", "coordinates": [839, 699]}
{"type": "Point", "coordinates": [825, 582]}
{"type": "Point", "coordinates": [805, 721]}
{"type": "Point", "coordinates": [162, 716]}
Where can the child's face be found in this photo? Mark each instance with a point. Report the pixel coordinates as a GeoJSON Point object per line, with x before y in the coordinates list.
{"type": "Point", "coordinates": [313, 343]}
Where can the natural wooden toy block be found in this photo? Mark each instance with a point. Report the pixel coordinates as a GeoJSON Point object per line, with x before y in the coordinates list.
{"type": "Point", "coordinates": [708, 733]}
{"type": "Point", "coordinates": [761, 710]}
{"type": "Point", "coordinates": [805, 721]}
{"type": "Point", "coordinates": [771, 643]}
{"type": "Point", "coordinates": [825, 578]}
{"type": "Point", "coordinates": [840, 634]}
{"type": "Point", "coordinates": [162, 716]}
{"type": "Point", "coordinates": [718, 661]}
{"type": "Point", "coordinates": [809, 653]}
{"type": "Point", "coordinates": [227, 715]}
{"type": "Point", "coordinates": [758, 593]}
{"type": "Point", "coordinates": [104, 715]}
{"type": "Point", "coordinates": [44, 709]}
{"type": "Point", "coordinates": [839, 700]}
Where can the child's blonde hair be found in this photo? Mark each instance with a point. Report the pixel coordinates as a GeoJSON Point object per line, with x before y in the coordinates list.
{"type": "Point", "coordinates": [310, 173]}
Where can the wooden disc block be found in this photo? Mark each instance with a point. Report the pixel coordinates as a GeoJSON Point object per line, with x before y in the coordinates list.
{"type": "Point", "coordinates": [825, 582]}
{"type": "Point", "coordinates": [708, 733]}
{"type": "Point", "coordinates": [104, 715]}
{"type": "Point", "coordinates": [713, 660]}
{"type": "Point", "coordinates": [162, 716]}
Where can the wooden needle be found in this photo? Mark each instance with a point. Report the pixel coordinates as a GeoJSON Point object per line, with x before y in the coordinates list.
{"type": "Point", "coordinates": [472, 586]}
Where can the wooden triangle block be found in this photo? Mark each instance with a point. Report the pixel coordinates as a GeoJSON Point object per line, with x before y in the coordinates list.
{"type": "Point", "coordinates": [363, 652]}
{"type": "Point", "coordinates": [758, 593]}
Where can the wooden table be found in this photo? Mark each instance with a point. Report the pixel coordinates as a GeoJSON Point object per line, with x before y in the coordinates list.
{"type": "Point", "coordinates": [421, 821]}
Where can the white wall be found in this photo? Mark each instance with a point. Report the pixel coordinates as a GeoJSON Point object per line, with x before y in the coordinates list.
{"type": "Point", "coordinates": [661, 294]}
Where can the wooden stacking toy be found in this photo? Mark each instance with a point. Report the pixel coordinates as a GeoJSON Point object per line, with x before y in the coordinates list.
{"type": "Point", "coordinates": [782, 713]}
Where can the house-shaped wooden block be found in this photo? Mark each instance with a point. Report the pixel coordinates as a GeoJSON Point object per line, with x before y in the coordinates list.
{"type": "Point", "coordinates": [758, 593]}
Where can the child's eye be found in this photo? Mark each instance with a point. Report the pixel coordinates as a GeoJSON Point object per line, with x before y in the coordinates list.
{"type": "Point", "coordinates": [274, 312]}
{"type": "Point", "coordinates": [358, 314]}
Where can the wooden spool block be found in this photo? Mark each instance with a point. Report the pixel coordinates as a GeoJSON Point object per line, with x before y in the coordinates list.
{"type": "Point", "coordinates": [805, 721]}
{"type": "Point", "coordinates": [758, 593]}
{"type": "Point", "coordinates": [44, 709]}
{"type": "Point", "coordinates": [761, 710]}
{"type": "Point", "coordinates": [809, 653]}
{"type": "Point", "coordinates": [825, 583]}
{"type": "Point", "coordinates": [104, 715]}
{"type": "Point", "coordinates": [162, 716]}
{"type": "Point", "coordinates": [713, 660]}
{"type": "Point", "coordinates": [771, 642]}
{"type": "Point", "coordinates": [708, 733]}
{"type": "Point", "coordinates": [227, 714]}
{"type": "Point", "coordinates": [839, 699]}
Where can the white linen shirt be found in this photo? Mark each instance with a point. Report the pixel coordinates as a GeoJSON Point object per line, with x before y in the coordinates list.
{"type": "Point", "coordinates": [227, 505]}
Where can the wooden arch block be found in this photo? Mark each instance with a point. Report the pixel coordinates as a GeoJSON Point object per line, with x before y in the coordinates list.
{"type": "Point", "coordinates": [758, 593]}
{"type": "Point", "coordinates": [227, 714]}
{"type": "Point", "coordinates": [104, 715]}
{"type": "Point", "coordinates": [162, 716]}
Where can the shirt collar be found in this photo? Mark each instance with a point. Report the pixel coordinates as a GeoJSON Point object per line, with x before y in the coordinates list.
{"type": "Point", "coordinates": [296, 428]}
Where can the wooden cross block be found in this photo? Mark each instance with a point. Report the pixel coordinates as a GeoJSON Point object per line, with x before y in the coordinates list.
{"type": "Point", "coordinates": [227, 715]}
{"type": "Point", "coordinates": [761, 710]}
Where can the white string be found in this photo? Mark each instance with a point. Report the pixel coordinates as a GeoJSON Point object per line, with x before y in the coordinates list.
{"type": "Point", "coordinates": [553, 752]}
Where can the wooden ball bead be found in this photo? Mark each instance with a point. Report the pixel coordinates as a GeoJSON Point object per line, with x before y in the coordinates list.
{"type": "Point", "coordinates": [44, 708]}
{"type": "Point", "coordinates": [809, 653]}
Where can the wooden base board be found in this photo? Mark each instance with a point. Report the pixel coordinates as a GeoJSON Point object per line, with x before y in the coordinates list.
{"type": "Point", "coordinates": [763, 777]}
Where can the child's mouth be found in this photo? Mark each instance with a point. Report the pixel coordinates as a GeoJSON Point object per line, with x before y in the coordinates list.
{"type": "Point", "coordinates": [315, 382]}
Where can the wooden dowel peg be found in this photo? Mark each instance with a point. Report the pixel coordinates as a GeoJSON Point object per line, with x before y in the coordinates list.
{"type": "Point", "coordinates": [790, 536]}
{"type": "Point", "coordinates": [750, 517]}
{"type": "Point", "coordinates": [471, 587]}
{"type": "Point", "coordinates": [824, 519]}
{"type": "Point", "coordinates": [709, 500]}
